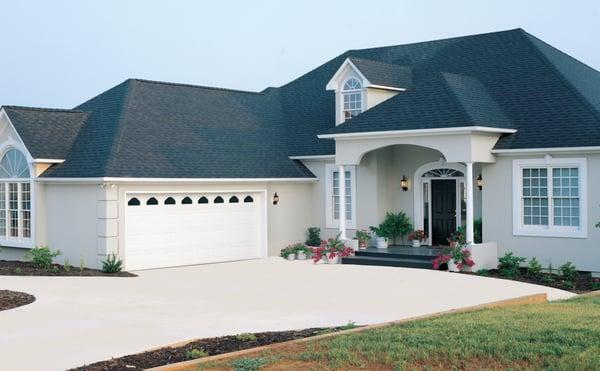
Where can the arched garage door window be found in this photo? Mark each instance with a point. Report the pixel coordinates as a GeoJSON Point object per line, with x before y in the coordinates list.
{"type": "Point", "coordinates": [15, 197]}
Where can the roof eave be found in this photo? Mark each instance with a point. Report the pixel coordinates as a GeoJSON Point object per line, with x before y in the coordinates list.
{"type": "Point", "coordinates": [419, 132]}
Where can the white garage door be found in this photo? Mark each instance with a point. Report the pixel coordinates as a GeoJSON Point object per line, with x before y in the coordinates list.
{"type": "Point", "coordinates": [166, 230]}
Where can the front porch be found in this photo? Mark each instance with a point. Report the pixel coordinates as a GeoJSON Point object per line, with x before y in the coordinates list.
{"type": "Point", "coordinates": [395, 256]}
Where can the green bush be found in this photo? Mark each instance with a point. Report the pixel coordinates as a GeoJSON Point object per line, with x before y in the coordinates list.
{"type": "Point", "coordinates": [534, 269]}
{"type": "Point", "coordinates": [568, 272]}
{"type": "Point", "coordinates": [195, 353]}
{"type": "Point", "coordinates": [483, 272]}
{"type": "Point", "coordinates": [314, 236]}
{"type": "Point", "coordinates": [112, 264]}
{"type": "Point", "coordinates": [460, 235]}
{"type": "Point", "coordinates": [349, 326]}
{"type": "Point", "coordinates": [42, 257]}
{"type": "Point", "coordinates": [249, 364]}
{"type": "Point", "coordinates": [568, 285]}
{"type": "Point", "coordinates": [509, 265]}
{"type": "Point", "coordinates": [246, 337]}
{"type": "Point", "coordinates": [394, 226]}
{"type": "Point", "coordinates": [67, 265]}
{"type": "Point", "coordinates": [547, 279]}
{"type": "Point", "coordinates": [596, 285]}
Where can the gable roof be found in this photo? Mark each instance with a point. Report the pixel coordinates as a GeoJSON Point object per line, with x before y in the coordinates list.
{"type": "Point", "coordinates": [47, 133]}
{"type": "Point", "coordinates": [384, 74]}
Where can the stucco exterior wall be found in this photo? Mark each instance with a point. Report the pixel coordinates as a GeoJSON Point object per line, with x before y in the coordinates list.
{"type": "Point", "coordinates": [498, 219]}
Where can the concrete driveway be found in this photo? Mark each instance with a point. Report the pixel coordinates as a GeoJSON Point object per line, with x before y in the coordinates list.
{"type": "Point", "coordinates": [82, 320]}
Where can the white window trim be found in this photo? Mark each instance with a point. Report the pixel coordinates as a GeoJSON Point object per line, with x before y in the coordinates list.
{"type": "Point", "coordinates": [330, 222]}
{"type": "Point", "coordinates": [519, 229]}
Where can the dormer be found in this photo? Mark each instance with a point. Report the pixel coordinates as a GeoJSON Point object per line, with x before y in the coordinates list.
{"type": "Point", "coordinates": [360, 84]}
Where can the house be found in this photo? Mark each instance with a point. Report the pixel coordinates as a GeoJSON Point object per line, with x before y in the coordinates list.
{"type": "Point", "coordinates": [167, 174]}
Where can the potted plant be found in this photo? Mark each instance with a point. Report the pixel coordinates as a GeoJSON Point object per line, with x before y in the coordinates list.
{"type": "Point", "coordinates": [332, 250]}
{"type": "Point", "coordinates": [457, 256]}
{"type": "Point", "coordinates": [302, 251]}
{"type": "Point", "coordinates": [417, 237]}
{"type": "Point", "coordinates": [314, 237]}
{"type": "Point", "coordinates": [288, 252]}
{"type": "Point", "coordinates": [392, 227]}
{"type": "Point", "coordinates": [363, 237]}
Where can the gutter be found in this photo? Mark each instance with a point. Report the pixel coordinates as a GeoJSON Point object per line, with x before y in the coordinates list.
{"type": "Point", "coordinates": [100, 180]}
{"type": "Point", "coordinates": [419, 132]}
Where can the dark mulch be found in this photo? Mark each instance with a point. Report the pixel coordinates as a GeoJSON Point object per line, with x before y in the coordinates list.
{"type": "Point", "coordinates": [19, 268]}
{"type": "Point", "coordinates": [14, 299]}
{"type": "Point", "coordinates": [584, 282]}
{"type": "Point", "coordinates": [211, 346]}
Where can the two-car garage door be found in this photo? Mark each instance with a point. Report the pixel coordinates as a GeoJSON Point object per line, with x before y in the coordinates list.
{"type": "Point", "coordinates": [166, 230]}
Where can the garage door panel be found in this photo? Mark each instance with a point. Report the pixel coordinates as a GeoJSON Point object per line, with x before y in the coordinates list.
{"type": "Point", "coordinates": [170, 235]}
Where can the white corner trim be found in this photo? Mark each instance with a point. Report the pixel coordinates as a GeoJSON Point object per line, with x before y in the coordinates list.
{"type": "Point", "coordinates": [418, 132]}
{"type": "Point", "coordinates": [315, 157]}
{"type": "Point", "coordinates": [331, 223]}
{"type": "Point", "coordinates": [541, 151]}
{"type": "Point", "coordinates": [47, 161]}
{"type": "Point", "coordinates": [551, 231]}
{"type": "Point", "coordinates": [98, 180]}
{"type": "Point", "coordinates": [332, 84]}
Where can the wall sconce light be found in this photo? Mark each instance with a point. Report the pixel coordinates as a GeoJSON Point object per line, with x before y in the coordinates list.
{"type": "Point", "coordinates": [404, 183]}
{"type": "Point", "coordinates": [275, 199]}
{"type": "Point", "coordinates": [479, 182]}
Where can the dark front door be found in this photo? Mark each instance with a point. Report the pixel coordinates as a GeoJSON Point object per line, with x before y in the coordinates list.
{"type": "Point", "coordinates": [443, 210]}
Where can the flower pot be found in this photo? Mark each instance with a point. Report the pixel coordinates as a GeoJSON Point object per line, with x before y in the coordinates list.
{"type": "Point", "coordinates": [301, 255]}
{"type": "Point", "coordinates": [291, 257]}
{"type": "Point", "coordinates": [416, 243]}
{"type": "Point", "coordinates": [452, 267]}
{"type": "Point", "coordinates": [334, 260]}
{"type": "Point", "coordinates": [381, 242]}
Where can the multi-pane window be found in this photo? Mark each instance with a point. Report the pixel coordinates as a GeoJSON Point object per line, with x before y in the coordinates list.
{"type": "Point", "coordinates": [336, 195]}
{"type": "Point", "coordinates": [332, 196]}
{"type": "Point", "coordinates": [15, 197]}
{"type": "Point", "coordinates": [551, 197]}
{"type": "Point", "coordinates": [352, 98]}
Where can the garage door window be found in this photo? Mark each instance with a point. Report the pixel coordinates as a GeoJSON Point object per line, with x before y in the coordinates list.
{"type": "Point", "coordinates": [233, 200]}
{"type": "Point", "coordinates": [152, 201]}
{"type": "Point", "coordinates": [218, 200]}
{"type": "Point", "coordinates": [134, 202]}
{"type": "Point", "coordinates": [186, 201]}
{"type": "Point", "coordinates": [203, 200]}
{"type": "Point", "coordinates": [248, 199]}
{"type": "Point", "coordinates": [170, 201]}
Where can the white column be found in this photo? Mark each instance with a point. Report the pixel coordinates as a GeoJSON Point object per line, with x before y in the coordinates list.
{"type": "Point", "coordinates": [469, 190]}
{"type": "Point", "coordinates": [342, 195]}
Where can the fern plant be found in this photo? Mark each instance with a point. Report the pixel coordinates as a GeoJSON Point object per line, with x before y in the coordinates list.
{"type": "Point", "coordinates": [394, 226]}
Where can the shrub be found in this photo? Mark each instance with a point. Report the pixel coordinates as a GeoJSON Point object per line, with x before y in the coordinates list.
{"type": "Point", "coordinates": [287, 251]}
{"type": "Point", "coordinates": [568, 285]}
{"type": "Point", "coordinates": [195, 353]}
{"type": "Point", "coordinates": [509, 265]}
{"type": "Point", "coordinates": [55, 270]}
{"type": "Point", "coordinates": [394, 226]}
{"type": "Point", "coordinates": [314, 236]}
{"type": "Point", "coordinates": [246, 337]}
{"type": "Point", "coordinates": [349, 326]}
{"type": "Point", "coordinates": [81, 265]}
{"type": "Point", "coordinates": [249, 364]}
{"type": "Point", "coordinates": [547, 279]}
{"type": "Point", "coordinates": [568, 272]}
{"type": "Point", "coordinates": [534, 269]}
{"type": "Point", "coordinates": [42, 257]}
{"type": "Point", "coordinates": [112, 264]}
{"type": "Point", "coordinates": [483, 272]}
{"type": "Point", "coordinates": [595, 285]}
{"type": "Point", "coordinates": [67, 265]}
{"type": "Point", "coordinates": [18, 271]}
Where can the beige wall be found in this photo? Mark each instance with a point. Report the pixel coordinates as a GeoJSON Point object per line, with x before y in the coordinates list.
{"type": "Point", "coordinates": [498, 219]}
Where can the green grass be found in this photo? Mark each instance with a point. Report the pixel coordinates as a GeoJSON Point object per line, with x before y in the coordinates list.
{"type": "Point", "coordinates": [558, 336]}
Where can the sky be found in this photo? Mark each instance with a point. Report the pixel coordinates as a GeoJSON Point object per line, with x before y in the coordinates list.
{"type": "Point", "coordinates": [60, 53]}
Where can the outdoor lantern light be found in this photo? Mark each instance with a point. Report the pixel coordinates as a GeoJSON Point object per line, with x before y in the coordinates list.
{"type": "Point", "coordinates": [479, 182]}
{"type": "Point", "coordinates": [275, 199]}
{"type": "Point", "coordinates": [404, 183]}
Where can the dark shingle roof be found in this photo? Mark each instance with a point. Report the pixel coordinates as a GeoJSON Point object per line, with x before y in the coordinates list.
{"type": "Point", "coordinates": [47, 133]}
{"type": "Point", "coordinates": [384, 74]}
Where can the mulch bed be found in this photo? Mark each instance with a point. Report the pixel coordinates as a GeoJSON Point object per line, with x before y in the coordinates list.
{"type": "Point", "coordinates": [19, 268]}
{"type": "Point", "coordinates": [211, 346]}
{"type": "Point", "coordinates": [583, 284]}
{"type": "Point", "coordinates": [14, 299]}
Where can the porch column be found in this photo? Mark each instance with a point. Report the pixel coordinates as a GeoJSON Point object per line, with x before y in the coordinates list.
{"type": "Point", "coordinates": [469, 190]}
{"type": "Point", "coordinates": [342, 195]}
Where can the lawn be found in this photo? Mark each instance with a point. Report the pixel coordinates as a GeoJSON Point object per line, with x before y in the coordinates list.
{"type": "Point", "coordinates": [558, 336]}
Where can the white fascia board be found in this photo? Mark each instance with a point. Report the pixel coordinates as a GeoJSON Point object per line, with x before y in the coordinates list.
{"type": "Point", "coordinates": [541, 151]}
{"type": "Point", "coordinates": [419, 132]}
{"type": "Point", "coordinates": [316, 157]}
{"type": "Point", "coordinates": [383, 87]}
{"type": "Point", "coordinates": [48, 161]}
{"type": "Point", "coordinates": [331, 85]}
{"type": "Point", "coordinates": [174, 180]}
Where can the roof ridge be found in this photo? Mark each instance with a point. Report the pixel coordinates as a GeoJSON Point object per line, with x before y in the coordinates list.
{"type": "Point", "coordinates": [197, 86]}
{"type": "Point", "coordinates": [441, 39]}
{"type": "Point", "coordinates": [27, 108]}
{"type": "Point", "coordinates": [561, 76]}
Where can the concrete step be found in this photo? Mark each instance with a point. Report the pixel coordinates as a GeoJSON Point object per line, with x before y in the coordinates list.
{"type": "Point", "coordinates": [388, 262]}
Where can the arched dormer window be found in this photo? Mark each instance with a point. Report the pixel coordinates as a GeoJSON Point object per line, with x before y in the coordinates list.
{"type": "Point", "coordinates": [15, 197]}
{"type": "Point", "coordinates": [351, 98]}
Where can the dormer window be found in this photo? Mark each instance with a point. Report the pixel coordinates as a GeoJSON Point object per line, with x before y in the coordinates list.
{"type": "Point", "coordinates": [352, 95]}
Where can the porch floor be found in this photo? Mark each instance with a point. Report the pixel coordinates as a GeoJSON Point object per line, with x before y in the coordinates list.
{"type": "Point", "coordinates": [395, 256]}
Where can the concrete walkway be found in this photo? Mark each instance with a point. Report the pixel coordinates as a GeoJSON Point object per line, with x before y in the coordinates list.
{"type": "Point", "coordinates": [82, 320]}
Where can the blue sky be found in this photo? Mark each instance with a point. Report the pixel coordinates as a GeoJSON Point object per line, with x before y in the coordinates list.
{"type": "Point", "coordinates": [60, 53]}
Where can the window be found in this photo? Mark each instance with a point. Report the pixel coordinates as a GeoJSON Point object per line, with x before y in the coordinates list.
{"type": "Point", "coordinates": [233, 200]}
{"type": "Point", "coordinates": [549, 197]}
{"type": "Point", "coordinates": [333, 199]}
{"type": "Point", "coordinates": [248, 199]}
{"type": "Point", "coordinates": [351, 98]}
{"type": "Point", "coordinates": [134, 202]}
{"type": "Point", "coordinates": [15, 197]}
{"type": "Point", "coordinates": [152, 201]}
{"type": "Point", "coordinates": [203, 200]}
{"type": "Point", "coordinates": [169, 201]}
{"type": "Point", "coordinates": [186, 201]}
{"type": "Point", "coordinates": [218, 200]}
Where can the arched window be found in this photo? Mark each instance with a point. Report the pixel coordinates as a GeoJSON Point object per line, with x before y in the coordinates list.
{"type": "Point", "coordinates": [443, 173]}
{"type": "Point", "coordinates": [248, 199]}
{"type": "Point", "coordinates": [203, 200]}
{"type": "Point", "coordinates": [233, 200]}
{"type": "Point", "coordinates": [134, 202]}
{"type": "Point", "coordinates": [218, 200]}
{"type": "Point", "coordinates": [352, 98]}
{"type": "Point", "coordinates": [152, 201]}
{"type": "Point", "coordinates": [169, 201]}
{"type": "Point", "coordinates": [15, 210]}
{"type": "Point", "coordinates": [186, 201]}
